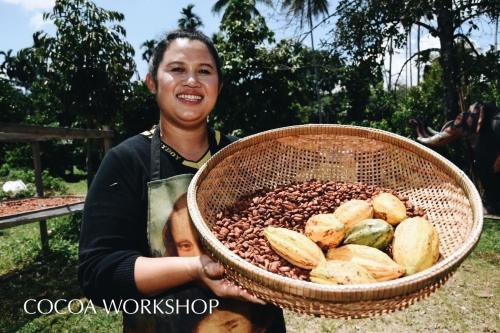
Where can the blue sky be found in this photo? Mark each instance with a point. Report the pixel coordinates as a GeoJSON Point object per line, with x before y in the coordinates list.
{"type": "Point", "coordinates": [147, 19]}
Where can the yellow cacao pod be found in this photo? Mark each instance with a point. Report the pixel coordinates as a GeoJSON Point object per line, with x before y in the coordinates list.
{"type": "Point", "coordinates": [415, 245]}
{"type": "Point", "coordinates": [325, 229]}
{"type": "Point", "coordinates": [388, 207]}
{"type": "Point", "coordinates": [352, 212]}
{"type": "Point", "coordinates": [294, 247]}
{"type": "Point", "coordinates": [340, 272]}
{"type": "Point", "coordinates": [376, 262]}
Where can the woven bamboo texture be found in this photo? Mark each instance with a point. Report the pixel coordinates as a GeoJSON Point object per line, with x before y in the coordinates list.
{"type": "Point", "coordinates": [339, 153]}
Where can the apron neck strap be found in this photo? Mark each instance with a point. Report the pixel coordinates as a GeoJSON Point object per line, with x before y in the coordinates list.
{"type": "Point", "coordinates": [155, 155]}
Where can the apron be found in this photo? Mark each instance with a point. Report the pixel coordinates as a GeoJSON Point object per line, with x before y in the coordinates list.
{"type": "Point", "coordinates": [171, 233]}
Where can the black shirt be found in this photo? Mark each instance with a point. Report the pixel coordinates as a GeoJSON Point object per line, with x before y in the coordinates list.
{"type": "Point", "coordinates": [113, 232]}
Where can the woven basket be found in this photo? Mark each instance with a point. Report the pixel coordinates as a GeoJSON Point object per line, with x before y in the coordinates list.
{"type": "Point", "coordinates": [339, 153]}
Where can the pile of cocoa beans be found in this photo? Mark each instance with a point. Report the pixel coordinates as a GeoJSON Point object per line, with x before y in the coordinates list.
{"type": "Point", "coordinates": [240, 227]}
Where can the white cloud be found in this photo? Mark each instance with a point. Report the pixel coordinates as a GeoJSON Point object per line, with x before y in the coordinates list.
{"type": "Point", "coordinates": [32, 4]}
{"type": "Point", "coordinates": [37, 22]}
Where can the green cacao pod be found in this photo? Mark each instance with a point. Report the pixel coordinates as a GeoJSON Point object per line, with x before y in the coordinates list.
{"type": "Point", "coordinates": [371, 232]}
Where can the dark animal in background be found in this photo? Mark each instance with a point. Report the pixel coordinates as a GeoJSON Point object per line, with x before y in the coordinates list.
{"type": "Point", "coordinates": [480, 126]}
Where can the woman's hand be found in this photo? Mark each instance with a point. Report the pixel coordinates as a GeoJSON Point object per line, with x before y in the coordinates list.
{"type": "Point", "coordinates": [211, 273]}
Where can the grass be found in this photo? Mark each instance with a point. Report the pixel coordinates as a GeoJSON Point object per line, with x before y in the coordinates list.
{"type": "Point", "coordinates": [469, 302]}
{"type": "Point", "coordinates": [78, 188]}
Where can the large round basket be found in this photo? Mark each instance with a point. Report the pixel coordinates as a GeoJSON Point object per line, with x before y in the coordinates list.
{"type": "Point", "coordinates": [339, 153]}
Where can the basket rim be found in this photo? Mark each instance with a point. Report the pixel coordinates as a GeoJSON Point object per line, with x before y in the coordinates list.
{"type": "Point", "coordinates": [401, 286]}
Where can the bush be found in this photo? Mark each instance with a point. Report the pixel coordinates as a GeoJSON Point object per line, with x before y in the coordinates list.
{"type": "Point", "coordinates": [51, 185]}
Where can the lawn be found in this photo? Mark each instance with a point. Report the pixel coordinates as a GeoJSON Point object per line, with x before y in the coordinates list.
{"type": "Point", "coordinates": [469, 302]}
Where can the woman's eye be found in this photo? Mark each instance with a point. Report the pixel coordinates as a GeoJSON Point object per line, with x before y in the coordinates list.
{"type": "Point", "coordinates": [177, 69]}
{"type": "Point", "coordinates": [205, 71]}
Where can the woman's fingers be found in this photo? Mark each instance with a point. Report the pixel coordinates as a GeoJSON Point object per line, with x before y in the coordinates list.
{"type": "Point", "coordinates": [213, 270]}
{"type": "Point", "coordinates": [228, 289]}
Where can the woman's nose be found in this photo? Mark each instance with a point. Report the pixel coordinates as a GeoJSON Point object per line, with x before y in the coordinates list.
{"type": "Point", "coordinates": [191, 79]}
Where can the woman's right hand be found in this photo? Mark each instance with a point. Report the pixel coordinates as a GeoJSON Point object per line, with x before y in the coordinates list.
{"type": "Point", "coordinates": [211, 274]}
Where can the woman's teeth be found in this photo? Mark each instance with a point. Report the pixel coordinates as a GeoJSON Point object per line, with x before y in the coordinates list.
{"type": "Point", "coordinates": [190, 97]}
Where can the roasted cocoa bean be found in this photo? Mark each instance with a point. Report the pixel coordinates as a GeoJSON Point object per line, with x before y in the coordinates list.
{"type": "Point", "coordinates": [240, 227]}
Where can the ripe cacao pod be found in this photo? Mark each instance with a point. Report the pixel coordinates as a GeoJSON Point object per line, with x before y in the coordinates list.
{"type": "Point", "coordinates": [415, 245]}
{"type": "Point", "coordinates": [340, 272]}
{"type": "Point", "coordinates": [372, 232]}
{"type": "Point", "coordinates": [325, 229]}
{"type": "Point", "coordinates": [352, 212]}
{"type": "Point", "coordinates": [388, 207]}
{"type": "Point", "coordinates": [294, 247]}
{"type": "Point", "coordinates": [376, 262]}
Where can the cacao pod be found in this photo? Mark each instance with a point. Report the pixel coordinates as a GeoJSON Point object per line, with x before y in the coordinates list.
{"type": "Point", "coordinates": [325, 229]}
{"type": "Point", "coordinates": [352, 212]}
{"type": "Point", "coordinates": [372, 232]}
{"type": "Point", "coordinates": [294, 247]}
{"type": "Point", "coordinates": [376, 262]}
{"type": "Point", "coordinates": [415, 245]}
{"type": "Point", "coordinates": [388, 207]}
{"type": "Point", "coordinates": [340, 272]}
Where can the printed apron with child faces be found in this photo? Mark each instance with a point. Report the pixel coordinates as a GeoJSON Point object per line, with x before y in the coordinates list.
{"type": "Point", "coordinates": [171, 233]}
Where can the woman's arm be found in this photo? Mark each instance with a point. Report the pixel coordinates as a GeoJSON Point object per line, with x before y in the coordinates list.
{"type": "Point", "coordinates": [156, 275]}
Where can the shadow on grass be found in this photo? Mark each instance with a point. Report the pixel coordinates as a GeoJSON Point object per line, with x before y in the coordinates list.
{"type": "Point", "coordinates": [51, 276]}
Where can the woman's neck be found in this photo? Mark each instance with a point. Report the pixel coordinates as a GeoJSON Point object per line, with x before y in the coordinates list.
{"type": "Point", "coordinates": [190, 143]}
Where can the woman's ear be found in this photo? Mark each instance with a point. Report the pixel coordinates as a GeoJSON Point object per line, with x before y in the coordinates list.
{"type": "Point", "coordinates": [150, 82]}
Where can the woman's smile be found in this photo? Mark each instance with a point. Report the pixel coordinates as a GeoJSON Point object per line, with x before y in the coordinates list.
{"type": "Point", "coordinates": [190, 98]}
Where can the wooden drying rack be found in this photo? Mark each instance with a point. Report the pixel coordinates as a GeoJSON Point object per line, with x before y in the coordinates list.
{"type": "Point", "coordinates": [11, 132]}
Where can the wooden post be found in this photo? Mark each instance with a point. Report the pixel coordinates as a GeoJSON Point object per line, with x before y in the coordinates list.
{"type": "Point", "coordinates": [89, 164]}
{"type": "Point", "coordinates": [35, 146]}
{"type": "Point", "coordinates": [107, 141]}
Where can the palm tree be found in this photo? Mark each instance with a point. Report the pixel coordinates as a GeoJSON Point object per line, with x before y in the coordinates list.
{"type": "Point", "coordinates": [307, 10]}
{"type": "Point", "coordinates": [221, 4]}
{"type": "Point", "coordinates": [189, 20]}
{"type": "Point", "coordinates": [148, 47]}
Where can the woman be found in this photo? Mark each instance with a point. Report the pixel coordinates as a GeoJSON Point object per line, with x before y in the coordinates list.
{"type": "Point", "coordinates": [121, 240]}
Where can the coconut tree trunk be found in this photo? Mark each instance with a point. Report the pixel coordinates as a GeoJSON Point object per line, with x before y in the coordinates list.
{"type": "Point", "coordinates": [389, 86]}
{"type": "Point", "coordinates": [418, 51]}
{"type": "Point", "coordinates": [410, 53]}
{"type": "Point", "coordinates": [315, 65]}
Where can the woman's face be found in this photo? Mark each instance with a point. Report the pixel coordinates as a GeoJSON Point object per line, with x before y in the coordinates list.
{"type": "Point", "coordinates": [187, 83]}
{"type": "Point", "coordinates": [183, 233]}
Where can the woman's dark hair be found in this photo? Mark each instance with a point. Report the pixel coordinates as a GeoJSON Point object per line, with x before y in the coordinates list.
{"type": "Point", "coordinates": [163, 45]}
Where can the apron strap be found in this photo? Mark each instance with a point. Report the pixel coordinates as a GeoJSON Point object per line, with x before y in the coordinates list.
{"type": "Point", "coordinates": [155, 155]}
{"type": "Point", "coordinates": [155, 158]}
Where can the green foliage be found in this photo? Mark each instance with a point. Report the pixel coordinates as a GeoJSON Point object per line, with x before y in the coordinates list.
{"type": "Point", "coordinates": [140, 112]}
{"type": "Point", "coordinates": [266, 84]}
{"type": "Point", "coordinates": [365, 29]}
{"type": "Point", "coordinates": [89, 47]}
{"type": "Point", "coordinates": [51, 185]}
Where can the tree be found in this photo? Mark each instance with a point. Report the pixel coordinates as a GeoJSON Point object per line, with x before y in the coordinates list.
{"type": "Point", "coordinates": [363, 27]}
{"type": "Point", "coordinates": [148, 47]}
{"type": "Point", "coordinates": [265, 84]}
{"type": "Point", "coordinates": [251, 8]}
{"type": "Point", "coordinates": [189, 20]}
{"type": "Point", "coordinates": [91, 63]}
{"type": "Point", "coordinates": [307, 10]}
{"type": "Point", "coordinates": [91, 67]}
